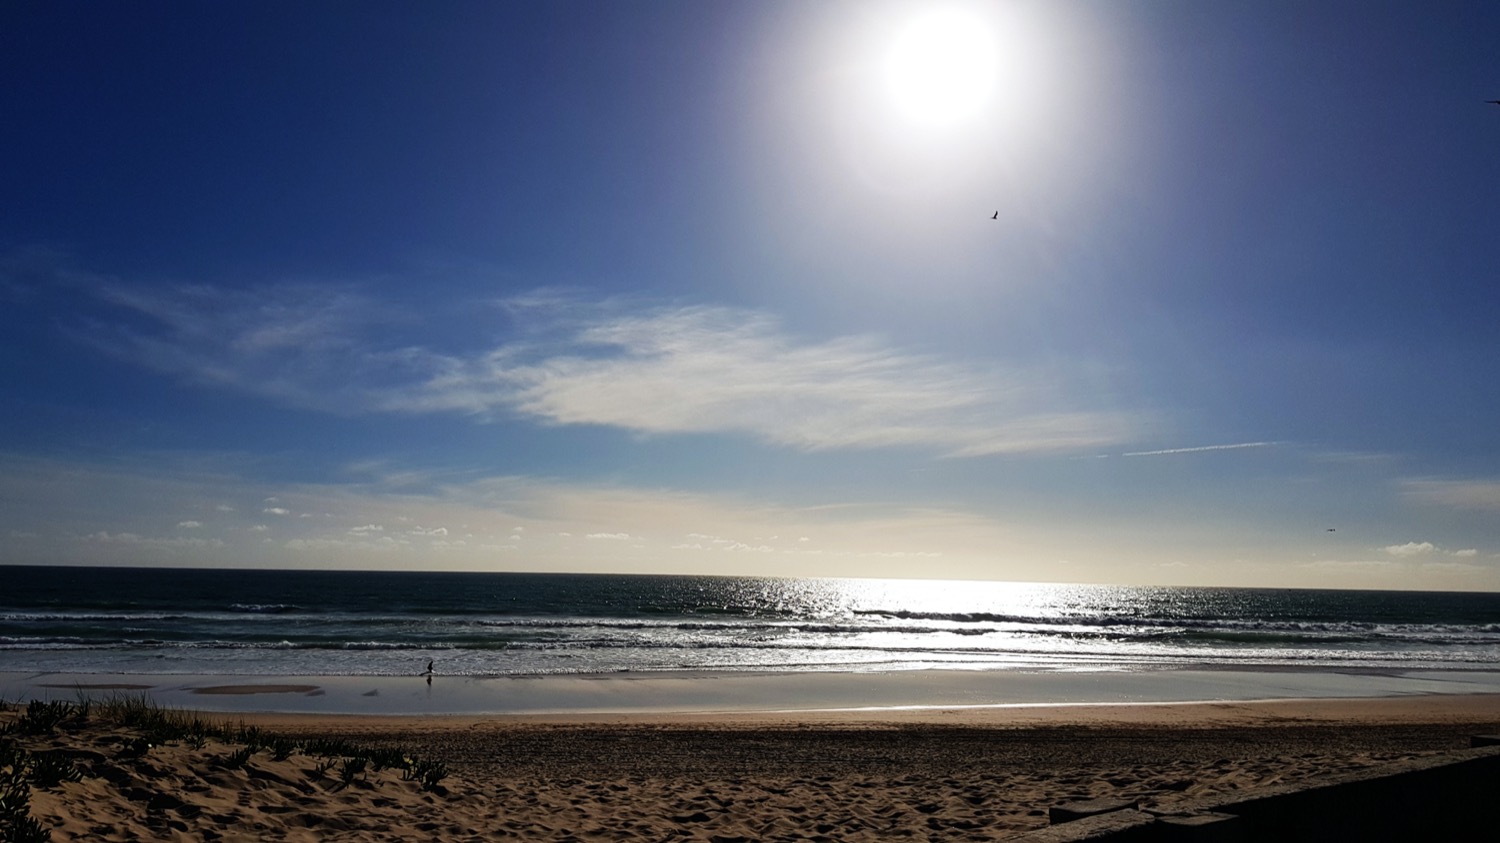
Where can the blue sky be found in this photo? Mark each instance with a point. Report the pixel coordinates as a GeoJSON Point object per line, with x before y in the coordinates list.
{"type": "Point", "coordinates": [1150, 292]}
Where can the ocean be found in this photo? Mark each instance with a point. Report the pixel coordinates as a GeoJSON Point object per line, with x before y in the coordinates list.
{"type": "Point", "coordinates": [305, 623]}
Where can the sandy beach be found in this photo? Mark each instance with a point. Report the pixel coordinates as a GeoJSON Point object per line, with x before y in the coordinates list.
{"type": "Point", "coordinates": [931, 774]}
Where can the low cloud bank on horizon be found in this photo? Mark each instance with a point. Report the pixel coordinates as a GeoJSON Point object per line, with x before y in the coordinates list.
{"type": "Point", "coordinates": [207, 512]}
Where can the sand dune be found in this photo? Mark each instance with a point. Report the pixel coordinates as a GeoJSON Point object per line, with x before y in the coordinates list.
{"type": "Point", "coordinates": [699, 778]}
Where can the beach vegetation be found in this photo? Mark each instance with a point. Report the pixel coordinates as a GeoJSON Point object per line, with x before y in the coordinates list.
{"type": "Point", "coordinates": [135, 748]}
{"type": "Point", "coordinates": [82, 708]}
{"type": "Point", "coordinates": [239, 757]}
{"type": "Point", "coordinates": [157, 725]}
{"type": "Point", "coordinates": [12, 756]}
{"type": "Point", "coordinates": [154, 725]}
{"type": "Point", "coordinates": [17, 768]}
{"type": "Point", "coordinates": [26, 829]}
{"type": "Point", "coordinates": [385, 758]}
{"type": "Point", "coordinates": [15, 800]}
{"type": "Point", "coordinates": [428, 773]}
{"type": "Point", "coordinates": [329, 747]}
{"type": "Point", "coordinates": [281, 748]}
{"type": "Point", "coordinates": [50, 769]}
{"type": "Point", "coordinates": [41, 718]}
{"type": "Point", "coordinates": [321, 768]}
{"type": "Point", "coordinates": [352, 769]}
{"type": "Point", "coordinates": [251, 736]}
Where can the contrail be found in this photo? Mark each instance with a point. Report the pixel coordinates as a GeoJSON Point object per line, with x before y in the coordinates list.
{"type": "Point", "coordinates": [1199, 448]}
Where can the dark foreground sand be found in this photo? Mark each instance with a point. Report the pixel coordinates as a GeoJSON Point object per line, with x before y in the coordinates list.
{"type": "Point", "coordinates": [921, 775]}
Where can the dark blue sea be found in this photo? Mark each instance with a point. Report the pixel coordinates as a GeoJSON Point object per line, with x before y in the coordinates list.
{"type": "Point", "coordinates": [166, 621]}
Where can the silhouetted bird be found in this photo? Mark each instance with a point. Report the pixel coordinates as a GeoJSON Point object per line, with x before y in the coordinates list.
{"type": "Point", "coordinates": [1331, 530]}
{"type": "Point", "coordinates": [996, 216]}
{"type": "Point", "coordinates": [429, 668]}
{"type": "Point", "coordinates": [1493, 102]}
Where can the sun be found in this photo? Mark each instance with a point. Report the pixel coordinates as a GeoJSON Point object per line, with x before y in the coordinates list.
{"type": "Point", "coordinates": [940, 69]}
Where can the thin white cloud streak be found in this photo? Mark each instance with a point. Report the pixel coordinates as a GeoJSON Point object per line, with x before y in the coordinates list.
{"type": "Point", "coordinates": [1471, 495]}
{"type": "Point", "coordinates": [661, 371]}
{"type": "Point", "coordinates": [1200, 449]}
{"type": "Point", "coordinates": [157, 542]}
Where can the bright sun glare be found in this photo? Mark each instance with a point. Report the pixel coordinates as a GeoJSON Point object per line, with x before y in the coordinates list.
{"type": "Point", "coordinates": [940, 69]}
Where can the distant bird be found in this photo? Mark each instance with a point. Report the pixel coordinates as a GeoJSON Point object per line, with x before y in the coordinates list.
{"type": "Point", "coordinates": [429, 669]}
{"type": "Point", "coordinates": [996, 216]}
{"type": "Point", "coordinates": [1493, 102]}
{"type": "Point", "coordinates": [1330, 529]}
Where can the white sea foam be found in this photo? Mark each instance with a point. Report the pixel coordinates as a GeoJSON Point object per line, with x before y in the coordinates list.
{"type": "Point", "coordinates": [364, 624]}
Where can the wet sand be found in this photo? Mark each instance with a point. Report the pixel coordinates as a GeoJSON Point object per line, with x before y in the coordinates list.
{"type": "Point", "coordinates": [733, 694]}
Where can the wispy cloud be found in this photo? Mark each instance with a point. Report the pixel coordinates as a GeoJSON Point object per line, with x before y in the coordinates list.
{"type": "Point", "coordinates": [1475, 495]}
{"type": "Point", "coordinates": [307, 346]}
{"type": "Point", "coordinates": [655, 370]}
{"type": "Point", "coordinates": [703, 370]}
{"type": "Point", "coordinates": [160, 543]}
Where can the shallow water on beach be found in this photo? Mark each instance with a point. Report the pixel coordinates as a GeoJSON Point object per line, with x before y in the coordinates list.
{"type": "Point", "coordinates": [279, 623]}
